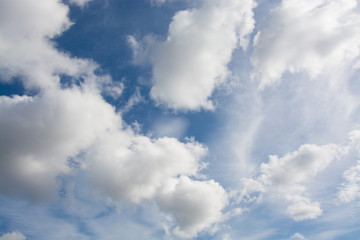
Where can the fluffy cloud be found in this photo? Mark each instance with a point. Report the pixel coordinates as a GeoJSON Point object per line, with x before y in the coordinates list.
{"type": "Point", "coordinates": [13, 236]}
{"type": "Point", "coordinates": [193, 60]}
{"type": "Point", "coordinates": [39, 134]}
{"type": "Point", "coordinates": [299, 165]}
{"type": "Point", "coordinates": [43, 135]}
{"type": "Point", "coordinates": [301, 208]}
{"type": "Point", "coordinates": [27, 52]}
{"type": "Point", "coordinates": [132, 167]}
{"type": "Point", "coordinates": [126, 166]}
{"type": "Point", "coordinates": [283, 177]}
{"type": "Point", "coordinates": [311, 36]}
{"type": "Point", "coordinates": [196, 205]}
{"type": "Point", "coordinates": [350, 189]}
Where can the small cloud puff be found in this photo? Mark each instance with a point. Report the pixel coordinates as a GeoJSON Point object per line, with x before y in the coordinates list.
{"type": "Point", "coordinates": [196, 205]}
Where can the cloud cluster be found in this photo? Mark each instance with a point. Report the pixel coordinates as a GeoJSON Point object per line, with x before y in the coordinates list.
{"type": "Point", "coordinates": [311, 36]}
{"type": "Point", "coordinates": [43, 135]}
{"type": "Point", "coordinates": [284, 177]}
{"type": "Point", "coordinates": [193, 59]}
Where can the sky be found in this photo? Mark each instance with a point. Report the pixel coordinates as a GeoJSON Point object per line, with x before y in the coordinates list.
{"type": "Point", "coordinates": [179, 119]}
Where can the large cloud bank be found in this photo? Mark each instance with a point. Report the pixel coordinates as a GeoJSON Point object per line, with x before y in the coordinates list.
{"type": "Point", "coordinates": [44, 133]}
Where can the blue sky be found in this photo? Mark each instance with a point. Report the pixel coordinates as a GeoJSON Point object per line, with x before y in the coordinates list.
{"type": "Point", "coordinates": [176, 119]}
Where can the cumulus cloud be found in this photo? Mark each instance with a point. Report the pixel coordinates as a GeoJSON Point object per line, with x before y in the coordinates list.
{"type": "Point", "coordinates": [284, 176]}
{"type": "Point", "coordinates": [132, 167]}
{"type": "Point", "coordinates": [193, 60]}
{"type": "Point", "coordinates": [350, 189]}
{"type": "Point", "coordinates": [43, 133]}
{"type": "Point", "coordinates": [311, 36]}
{"type": "Point", "coordinates": [39, 134]}
{"type": "Point", "coordinates": [196, 205]}
{"type": "Point", "coordinates": [13, 236]}
{"type": "Point", "coordinates": [26, 28]}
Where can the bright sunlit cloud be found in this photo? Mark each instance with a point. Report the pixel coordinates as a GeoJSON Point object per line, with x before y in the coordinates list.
{"type": "Point", "coordinates": [156, 119]}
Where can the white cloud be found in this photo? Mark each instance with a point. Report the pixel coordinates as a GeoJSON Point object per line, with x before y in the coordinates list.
{"type": "Point", "coordinates": [126, 166]}
{"type": "Point", "coordinates": [350, 189]}
{"type": "Point", "coordinates": [196, 205]}
{"type": "Point", "coordinates": [312, 36]}
{"type": "Point", "coordinates": [13, 236]}
{"type": "Point", "coordinates": [284, 176]}
{"type": "Point", "coordinates": [40, 133]}
{"type": "Point", "coordinates": [299, 165]}
{"type": "Point", "coordinates": [302, 208]}
{"type": "Point", "coordinates": [193, 60]}
{"type": "Point", "coordinates": [298, 236]}
{"type": "Point", "coordinates": [132, 167]}
{"type": "Point", "coordinates": [27, 52]}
